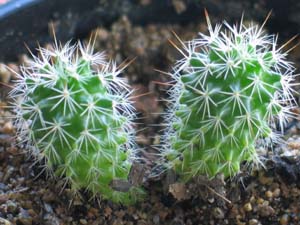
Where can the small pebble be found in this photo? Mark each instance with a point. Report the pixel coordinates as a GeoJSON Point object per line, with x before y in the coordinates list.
{"type": "Point", "coordinates": [83, 221]}
{"type": "Point", "coordinates": [24, 218]}
{"type": "Point", "coordinates": [3, 187]}
{"type": "Point", "coordinates": [116, 222]}
{"type": "Point", "coordinates": [5, 74]}
{"type": "Point", "coordinates": [50, 219]}
{"type": "Point", "coordinates": [107, 211]}
{"type": "Point", "coordinates": [253, 222]}
{"type": "Point", "coordinates": [77, 201]}
{"type": "Point", "coordinates": [163, 214]}
{"type": "Point", "coordinates": [276, 193]}
{"type": "Point", "coordinates": [48, 196]}
{"type": "Point", "coordinates": [252, 199]}
{"type": "Point", "coordinates": [265, 210]}
{"type": "Point", "coordinates": [4, 221]}
{"type": "Point", "coordinates": [284, 220]}
{"type": "Point", "coordinates": [218, 213]}
{"type": "Point", "coordinates": [211, 200]}
{"type": "Point", "coordinates": [8, 174]}
{"type": "Point", "coordinates": [265, 180]}
{"type": "Point", "coordinates": [3, 198]}
{"type": "Point", "coordinates": [25, 60]}
{"type": "Point", "coordinates": [265, 203]}
{"type": "Point", "coordinates": [48, 208]}
{"type": "Point", "coordinates": [260, 201]}
{"type": "Point", "coordinates": [11, 206]}
{"type": "Point", "coordinates": [32, 213]}
{"type": "Point", "coordinates": [135, 216]}
{"type": "Point", "coordinates": [145, 2]}
{"type": "Point", "coordinates": [8, 128]}
{"type": "Point", "coordinates": [248, 207]}
{"type": "Point", "coordinates": [142, 222]}
{"type": "Point", "coordinates": [120, 213]}
{"type": "Point", "coordinates": [294, 145]}
{"type": "Point", "coordinates": [92, 213]}
{"type": "Point", "coordinates": [156, 219]}
{"type": "Point", "coordinates": [179, 6]}
{"type": "Point", "coordinates": [269, 194]}
{"type": "Point", "coordinates": [143, 215]}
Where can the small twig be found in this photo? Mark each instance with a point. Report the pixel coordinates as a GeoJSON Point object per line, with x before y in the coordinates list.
{"type": "Point", "coordinates": [216, 193]}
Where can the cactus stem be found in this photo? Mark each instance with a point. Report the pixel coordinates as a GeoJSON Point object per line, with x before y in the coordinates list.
{"type": "Point", "coordinates": [232, 88]}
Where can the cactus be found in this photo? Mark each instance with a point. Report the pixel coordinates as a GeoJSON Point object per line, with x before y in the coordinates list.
{"type": "Point", "coordinates": [231, 89]}
{"type": "Point", "coordinates": [75, 114]}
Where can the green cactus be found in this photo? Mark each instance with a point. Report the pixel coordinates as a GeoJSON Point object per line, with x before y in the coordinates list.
{"type": "Point", "coordinates": [74, 112]}
{"type": "Point", "coordinates": [231, 89]}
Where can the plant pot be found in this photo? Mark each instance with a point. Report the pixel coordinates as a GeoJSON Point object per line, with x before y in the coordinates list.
{"type": "Point", "coordinates": [27, 21]}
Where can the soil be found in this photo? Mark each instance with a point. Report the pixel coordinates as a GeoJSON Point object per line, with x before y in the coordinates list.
{"type": "Point", "coordinates": [269, 195]}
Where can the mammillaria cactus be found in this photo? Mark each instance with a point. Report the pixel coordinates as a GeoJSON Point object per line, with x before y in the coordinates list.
{"type": "Point", "coordinates": [232, 88]}
{"type": "Point", "coordinates": [74, 113]}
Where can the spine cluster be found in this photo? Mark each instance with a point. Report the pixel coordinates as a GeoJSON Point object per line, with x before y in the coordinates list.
{"type": "Point", "coordinates": [74, 112]}
{"type": "Point", "coordinates": [232, 87]}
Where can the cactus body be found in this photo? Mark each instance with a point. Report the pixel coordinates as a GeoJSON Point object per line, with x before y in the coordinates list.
{"type": "Point", "coordinates": [232, 88]}
{"type": "Point", "coordinates": [74, 111]}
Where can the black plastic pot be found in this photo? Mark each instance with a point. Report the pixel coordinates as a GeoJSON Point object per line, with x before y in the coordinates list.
{"type": "Point", "coordinates": [27, 21]}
